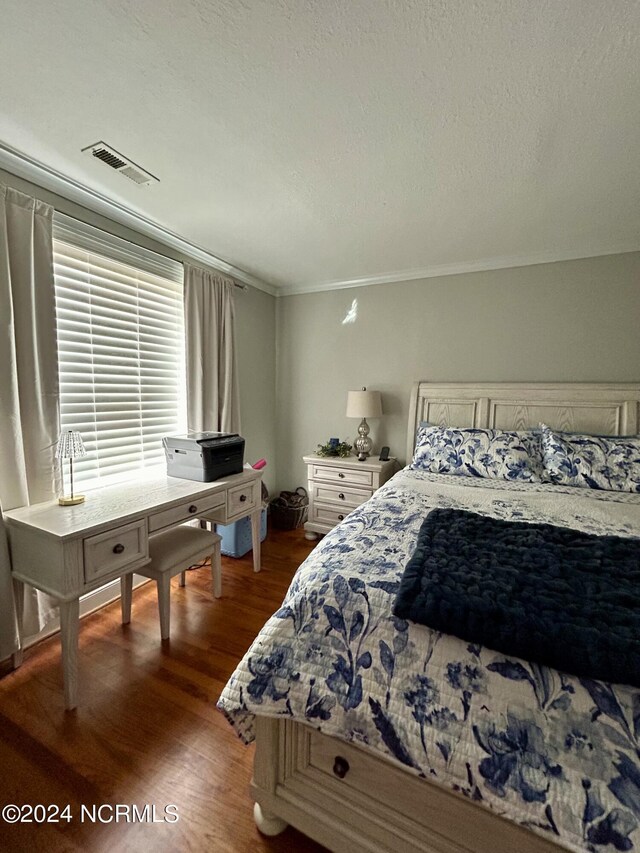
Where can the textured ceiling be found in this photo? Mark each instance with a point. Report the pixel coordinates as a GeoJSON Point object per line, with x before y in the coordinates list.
{"type": "Point", "coordinates": [311, 141]}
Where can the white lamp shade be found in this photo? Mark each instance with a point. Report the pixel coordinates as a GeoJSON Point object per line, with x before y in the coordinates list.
{"type": "Point", "coordinates": [70, 445]}
{"type": "Point", "coordinates": [364, 404]}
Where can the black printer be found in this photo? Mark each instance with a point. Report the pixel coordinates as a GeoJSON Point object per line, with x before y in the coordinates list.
{"type": "Point", "coordinates": [204, 456]}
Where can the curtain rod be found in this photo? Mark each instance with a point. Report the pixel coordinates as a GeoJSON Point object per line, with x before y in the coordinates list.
{"type": "Point", "coordinates": [131, 242]}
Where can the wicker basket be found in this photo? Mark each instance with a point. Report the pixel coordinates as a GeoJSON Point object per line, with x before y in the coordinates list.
{"type": "Point", "coordinates": [290, 509]}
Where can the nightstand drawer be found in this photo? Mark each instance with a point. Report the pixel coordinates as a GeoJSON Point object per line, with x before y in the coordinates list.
{"type": "Point", "coordinates": [328, 515]}
{"type": "Point", "coordinates": [110, 552]}
{"type": "Point", "coordinates": [337, 495]}
{"type": "Point", "coordinates": [178, 514]}
{"type": "Point", "coordinates": [348, 476]}
{"type": "Point", "coordinates": [242, 499]}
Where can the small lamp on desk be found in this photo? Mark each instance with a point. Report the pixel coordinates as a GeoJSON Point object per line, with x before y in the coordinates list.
{"type": "Point", "coordinates": [364, 404]}
{"type": "Point", "coordinates": [70, 446]}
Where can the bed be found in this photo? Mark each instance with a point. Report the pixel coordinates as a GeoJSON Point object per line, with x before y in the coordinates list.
{"type": "Point", "coordinates": [376, 734]}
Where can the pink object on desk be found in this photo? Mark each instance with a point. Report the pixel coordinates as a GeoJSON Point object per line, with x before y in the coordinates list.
{"type": "Point", "coordinates": [259, 464]}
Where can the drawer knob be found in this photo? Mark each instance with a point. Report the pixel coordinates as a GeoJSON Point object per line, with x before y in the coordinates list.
{"type": "Point", "coordinates": [340, 517]}
{"type": "Point", "coordinates": [118, 549]}
{"type": "Point", "coordinates": [340, 767]}
{"type": "Point", "coordinates": [341, 475]}
{"type": "Point", "coordinates": [341, 496]}
{"type": "Point", "coordinates": [243, 498]}
{"type": "Point", "coordinates": [193, 508]}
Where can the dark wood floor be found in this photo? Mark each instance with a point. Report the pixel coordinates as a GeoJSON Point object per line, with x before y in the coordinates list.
{"type": "Point", "coordinates": [146, 730]}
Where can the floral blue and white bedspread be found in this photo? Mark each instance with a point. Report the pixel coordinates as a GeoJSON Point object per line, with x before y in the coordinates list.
{"type": "Point", "coordinates": [555, 753]}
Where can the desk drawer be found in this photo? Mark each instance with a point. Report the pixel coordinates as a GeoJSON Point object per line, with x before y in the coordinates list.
{"type": "Point", "coordinates": [192, 509]}
{"type": "Point", "coordinates": [347, 476]}
{"type": "Point", "coordinates": [340, 495]}
{"type": "Point", "coordinates": [242, 498]}
{"type": "Point", "coordinates": [114, 550]}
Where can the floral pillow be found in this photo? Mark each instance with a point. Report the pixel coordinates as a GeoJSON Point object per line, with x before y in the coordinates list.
{"type": "Point", "coordinates": [492, 453]}
{"type": "Point", "coordinates": [594, 461]}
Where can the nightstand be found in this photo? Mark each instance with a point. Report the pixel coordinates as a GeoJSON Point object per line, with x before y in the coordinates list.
{"type": "Point", "coordinates": [336, 486]}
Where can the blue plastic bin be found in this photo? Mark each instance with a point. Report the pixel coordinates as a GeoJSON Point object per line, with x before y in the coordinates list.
{"type": "Point", "coordinates": [236, 537]}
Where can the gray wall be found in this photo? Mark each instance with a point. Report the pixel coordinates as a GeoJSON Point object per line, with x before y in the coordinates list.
{"type": "Point", "coordinates": [567, 321]}
{"type": "Point", "coordinates": [255, 331]}
{"type": "Point", "coordinates": [256, 346]}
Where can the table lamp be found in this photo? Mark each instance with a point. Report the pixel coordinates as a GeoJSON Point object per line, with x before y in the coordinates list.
{"type": "Point", "coordinates": [70, 447]}
{"type": "Point", "coordinates": [364, 404]}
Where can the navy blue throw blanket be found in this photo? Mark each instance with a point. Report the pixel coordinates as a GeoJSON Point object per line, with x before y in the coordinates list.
{"type": "Point", "coordinates": [548, 594]}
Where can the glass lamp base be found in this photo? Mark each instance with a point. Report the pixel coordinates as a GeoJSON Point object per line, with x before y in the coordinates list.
{"type": "Point", "coordinates": [363, 444]}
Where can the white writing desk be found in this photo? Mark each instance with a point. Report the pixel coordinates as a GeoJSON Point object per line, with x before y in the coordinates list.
{"type": "Point", "coordinates": [68, 551]}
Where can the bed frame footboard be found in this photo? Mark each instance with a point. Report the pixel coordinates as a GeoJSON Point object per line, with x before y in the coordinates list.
{"type": "Point", "coordinates": [351, 800]}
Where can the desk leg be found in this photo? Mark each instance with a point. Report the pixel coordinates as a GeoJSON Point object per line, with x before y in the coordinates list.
{"type": "Point", "coordinates": [255, 538]}
{"type": "Point", "coordinates": [18, 597]}
{"type": "Point", "coordinates": [69, 621]}
{"type": "Point", "coordinates": [126, 590]}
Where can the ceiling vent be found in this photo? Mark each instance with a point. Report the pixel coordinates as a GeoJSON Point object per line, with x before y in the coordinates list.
{"type": "Point", "coordinates": [117, 161]}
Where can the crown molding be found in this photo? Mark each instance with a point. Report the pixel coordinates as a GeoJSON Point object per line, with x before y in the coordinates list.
{"type": "Point", "coordinates": [438, 270]}
{"type": "Point", "coordinates": [25, 167]}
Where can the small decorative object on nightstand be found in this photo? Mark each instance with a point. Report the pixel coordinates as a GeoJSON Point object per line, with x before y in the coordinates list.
{"type": "Point", "coordinates": [70, 446]}
{"type": "Point", "coordinates": [364, 404]}
{"type": "Point", "coordinates": [334, 447]}
{"type": "Point", "coordinates": [337, 486]}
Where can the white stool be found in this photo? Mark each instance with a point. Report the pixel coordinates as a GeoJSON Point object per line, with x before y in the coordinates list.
{"type": "Point", "coordinates": [172, 552]}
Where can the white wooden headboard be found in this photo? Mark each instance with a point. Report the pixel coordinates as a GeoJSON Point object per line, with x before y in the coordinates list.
{"type": "Point", "coordinates": [606, 409]}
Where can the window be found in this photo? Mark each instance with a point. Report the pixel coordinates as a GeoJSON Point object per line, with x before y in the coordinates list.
{"type": "Point", "coordinates": [120, 323]}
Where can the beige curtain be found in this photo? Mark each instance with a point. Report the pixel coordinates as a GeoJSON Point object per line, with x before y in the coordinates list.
{"type": "Point", "coordinates": [29, 397]}
{"type": "Point", "coordinates": [212, 373]}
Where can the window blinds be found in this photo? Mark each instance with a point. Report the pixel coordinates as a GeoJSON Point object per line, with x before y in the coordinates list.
{"type": "Point", "coordinates": [120, 325]}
